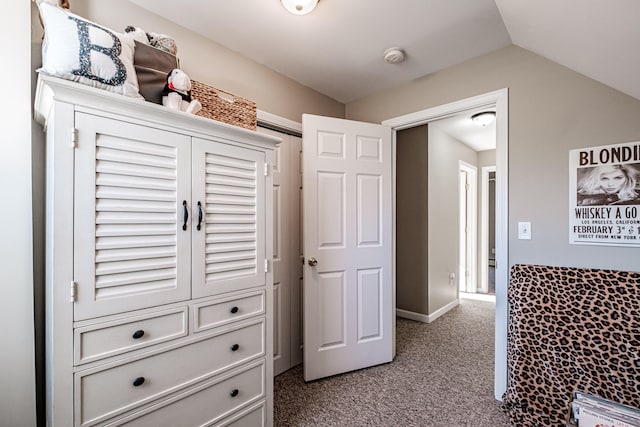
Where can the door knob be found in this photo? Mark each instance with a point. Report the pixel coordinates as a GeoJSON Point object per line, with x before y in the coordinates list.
{"type": "Point", "coordinates": [313, 262]}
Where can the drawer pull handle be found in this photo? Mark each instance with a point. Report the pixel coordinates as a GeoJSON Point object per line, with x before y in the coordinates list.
{"type": "Point", "coordinates": [138, 334]}
{"type": "Point", "coordinates": [234, 310]}
{"type": "Point", "coordinates": [138, 381]}
{"type": "Point", "coordinates": [235, 347]}
{"type": "Point", "coordinates": [234, 392]}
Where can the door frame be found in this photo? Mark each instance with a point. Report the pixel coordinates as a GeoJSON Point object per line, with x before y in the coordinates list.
{"type": "Point", "coordinates": [498, 99]}
{"type": "Point", "coordinates": [470, 223]}
{"type": "Point", "coordinates": [483, 284]}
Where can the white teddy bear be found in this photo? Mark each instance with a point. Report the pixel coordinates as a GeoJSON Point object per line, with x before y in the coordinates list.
{"type": "Point", "coordinates": [177, 93]}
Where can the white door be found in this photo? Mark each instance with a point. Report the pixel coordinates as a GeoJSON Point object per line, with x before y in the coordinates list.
{"type": "Point", "coordinates": [467, 247]}
{"type": "Point", "coordinates": [282, 258]}
{"type": "Point", "coordinates": [347, 215]}
{"type": "Point", "coordinates": [287, 269]}
{"type": "Point", "coordinates": [462, 195]}
{"type": "Point", "coordinates": [130, 249]}
{"type": "Point", "coordinates": [229, 232]}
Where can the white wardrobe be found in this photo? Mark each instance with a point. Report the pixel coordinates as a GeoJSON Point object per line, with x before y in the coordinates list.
{"type": "Point", "coordinates": [159, 248]}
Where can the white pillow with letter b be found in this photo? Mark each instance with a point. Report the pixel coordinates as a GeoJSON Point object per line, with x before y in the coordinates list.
{"type": "Point", "coordinates": [82, 51]}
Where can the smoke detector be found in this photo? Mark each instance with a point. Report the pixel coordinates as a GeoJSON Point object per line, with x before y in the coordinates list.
{"type": "Point", "coordinates": [394, 55]}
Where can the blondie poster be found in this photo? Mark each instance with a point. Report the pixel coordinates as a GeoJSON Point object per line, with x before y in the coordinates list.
{"type": "Point", "coordinates": [604, 195]}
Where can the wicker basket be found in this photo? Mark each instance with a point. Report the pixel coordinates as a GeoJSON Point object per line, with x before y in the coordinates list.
{"type": "Point", "coordinates": [224, 107]}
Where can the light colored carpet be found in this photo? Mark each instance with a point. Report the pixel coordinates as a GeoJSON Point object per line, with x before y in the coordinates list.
{"type": "Point", "coordinates": [442, 376]}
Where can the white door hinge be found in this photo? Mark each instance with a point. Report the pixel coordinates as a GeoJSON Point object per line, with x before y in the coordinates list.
{"type": "Point", "coordinates": [266, 169]}
{"type": "Point", "coordinates": [74, 137]}
{"type": "Point", "coordinates": [73, 292]}
{"type": "Point", "coordinates": [266, 265]}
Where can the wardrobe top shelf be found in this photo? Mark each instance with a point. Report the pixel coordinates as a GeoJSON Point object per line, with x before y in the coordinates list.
{"type": "Point", "coordinates": [51, 90]}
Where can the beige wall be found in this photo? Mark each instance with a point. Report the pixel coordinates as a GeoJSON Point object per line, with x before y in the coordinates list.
{"type": "Point", "coordinates": [216, 65]}
{"type": "Point", "coordinates": [412, 266]}
{"type": "Point", "coordinates": [17, 366]}
{"type": "Point", "coordinates": [552, 110]}
{"type": "Point", "coordinates": [445, 154]}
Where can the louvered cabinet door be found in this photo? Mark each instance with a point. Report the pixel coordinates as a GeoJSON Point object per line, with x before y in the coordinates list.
{"type": "Point", "coordinates": [228, 251]}
{"type": "Point", "coordinates": [130, 249]}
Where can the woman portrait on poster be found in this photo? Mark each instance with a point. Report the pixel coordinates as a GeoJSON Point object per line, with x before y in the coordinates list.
{"type": "Point", "coordinates": [608, 185]}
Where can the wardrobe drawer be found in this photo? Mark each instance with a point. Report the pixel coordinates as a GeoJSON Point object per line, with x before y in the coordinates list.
{"type": "Point", "coordinates": [120, 336]}
{"type": "Point", "coordinates": [255, 416]}
{"type": "Point", "coordinates": [218, 312]}
{"type": "Point", "coordinates": [102, 393]}
{"type": "Point", "coordinates": [208, 403]}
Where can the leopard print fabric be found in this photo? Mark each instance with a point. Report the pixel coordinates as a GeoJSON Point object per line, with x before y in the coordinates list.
{"type": "Point", "coordinates": [570, 329]}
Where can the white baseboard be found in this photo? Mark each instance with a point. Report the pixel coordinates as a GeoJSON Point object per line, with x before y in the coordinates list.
{"type": "Point", "coordinates": [419, 317]}
{"type": "Point", "coordinates": [453, 304]}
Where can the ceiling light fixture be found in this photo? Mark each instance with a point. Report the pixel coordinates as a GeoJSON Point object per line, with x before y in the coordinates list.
{"type": "Point", "coordinates": [484, 118]}
{"type": "Point", "coordinates": [300, 7]}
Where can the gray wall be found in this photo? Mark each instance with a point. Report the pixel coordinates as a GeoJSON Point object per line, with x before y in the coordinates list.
{"type": "Point", "coordinates": [445, 154]}
{"type": "Point", "coordinates": [412, 237]}
{"type": "Point", "coordinates": [486, 158]}
{"type": "Point", "coordinates": [17, 375]}
{"type": "Point", "coordinates": [552, 110]}
{"type": "Point", "coordinates": [427, 209]}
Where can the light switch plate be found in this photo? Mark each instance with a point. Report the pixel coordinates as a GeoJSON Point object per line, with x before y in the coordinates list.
{"type": "Point", "coordinates": [524, 230]}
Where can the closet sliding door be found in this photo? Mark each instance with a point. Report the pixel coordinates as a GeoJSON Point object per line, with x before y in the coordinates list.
{"type": "Point", "coordinates": [287, 252]}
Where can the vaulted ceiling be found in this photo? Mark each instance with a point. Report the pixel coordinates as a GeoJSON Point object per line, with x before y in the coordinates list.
{"type": "Point", "coordinates": [338, 48]}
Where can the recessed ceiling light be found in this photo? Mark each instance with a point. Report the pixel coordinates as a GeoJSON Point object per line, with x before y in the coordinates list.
{"type": "Point", "coordinates": [484, 118]}
{"type": "Point", "coordinates": [394, 55]}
